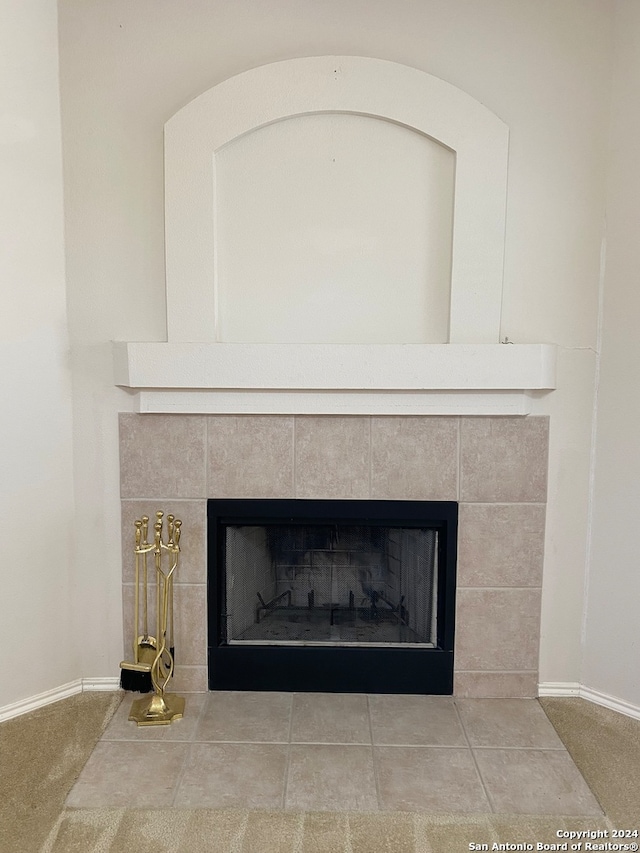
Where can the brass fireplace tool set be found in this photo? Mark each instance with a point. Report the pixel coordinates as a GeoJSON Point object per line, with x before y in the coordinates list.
{"type": "Point", "coordinates": [153, 656]}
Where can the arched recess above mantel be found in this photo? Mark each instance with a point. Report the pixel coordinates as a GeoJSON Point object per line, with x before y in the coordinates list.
{"type": "Point", "coordinates": [350, 85]}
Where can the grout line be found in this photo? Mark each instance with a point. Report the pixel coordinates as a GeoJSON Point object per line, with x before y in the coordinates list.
{"type": "Point", "coordinates": [285, 787]}
{"type": "Point", "coordinates": [504, 503]}
{"type": "Point", "coordinates": [180, 777]}
{"type": "Point", "coordinates": [373, 757]}
{"type": "Point", "coordinates": [200, 716]}
{"type": "Point", "coordinates": [473, 757]}
{"type": "Point", "coordinates": [370, 459]}
{"type": "Point", "coordinates": [155, 500]}
{"type": "Point", "coordinates": [459, 461]}
{"type": "Point", "coordinates": [293, 452]}
{"type": "Point", "coordinates": [207, 484]}
{"type": "Point", "coordinates": [187, 757]}
{"type": "Point", "coordinates": [561, 748]}
{"type": "Point", "coordinates": [422, 745]}
{"type": "Point", "coordinates": [330, 743]}
{"type": "Point", "coordinates": [242, 742]}
{"type": "Point", "coordinates": [497, 589]}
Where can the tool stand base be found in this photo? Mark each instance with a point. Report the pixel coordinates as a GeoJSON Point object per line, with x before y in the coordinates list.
{"type": "Point", "coordinates": [157, 710]}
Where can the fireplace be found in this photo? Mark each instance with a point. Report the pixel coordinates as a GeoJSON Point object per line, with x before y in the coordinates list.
{"type": "Point", "coordinates": [495, 468]}
{"type": "Point", "coordinates": [348, 596]}
{"type": "Point", "coordinates": [388, 407]}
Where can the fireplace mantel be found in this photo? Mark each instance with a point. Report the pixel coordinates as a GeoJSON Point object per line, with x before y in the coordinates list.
{"type": "Point", "coordinates": [439, 379]}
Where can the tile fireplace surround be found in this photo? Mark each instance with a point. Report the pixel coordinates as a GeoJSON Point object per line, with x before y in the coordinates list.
{"type": "Point", "coordinates": [496, 467]}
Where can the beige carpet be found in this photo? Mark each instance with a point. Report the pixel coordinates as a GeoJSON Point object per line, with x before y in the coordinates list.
{"type": "Point", "coordinates": [42, 753]}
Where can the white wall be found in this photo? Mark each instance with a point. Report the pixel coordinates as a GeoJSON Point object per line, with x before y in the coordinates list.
{"type": "Point", "coordinates": [612, 628]}
{"type": "Point", "coordinates": [36, 486]}
{"type": "Point", "coordinates": [540, 65]}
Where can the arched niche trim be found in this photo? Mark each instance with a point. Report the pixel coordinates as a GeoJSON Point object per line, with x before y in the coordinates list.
{"type": "Point", "coordinates": [330, 84]}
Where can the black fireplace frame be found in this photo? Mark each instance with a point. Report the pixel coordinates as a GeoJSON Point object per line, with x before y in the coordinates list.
{"type": "Point", "coordinates": [333, 669]}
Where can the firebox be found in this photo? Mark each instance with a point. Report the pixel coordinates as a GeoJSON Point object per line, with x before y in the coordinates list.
{"type": "Point", "coordinates": [331, 596]}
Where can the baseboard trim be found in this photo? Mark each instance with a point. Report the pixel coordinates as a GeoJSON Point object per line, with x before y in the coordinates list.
{"type": "Point", "coordinates": [100, 684]}
{"type": "Point", "coordinates": [24, 706]}
{"type": "Point", "coordinates": [569, 688]}
{"type": "Point", "coordinates": [612, 702]}
{"type": "Point", "coordinates": [80, 685]}
{"type": "Point", "coordinates": [559, 688]}
{"type": "Point", "coordinates": [85, 685]}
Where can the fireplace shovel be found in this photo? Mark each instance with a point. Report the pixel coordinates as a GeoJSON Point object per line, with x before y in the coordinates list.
{"type": "Point", "coordinates": [136, 675]}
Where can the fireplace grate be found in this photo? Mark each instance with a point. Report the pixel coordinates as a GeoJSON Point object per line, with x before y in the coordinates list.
{"type": "Point", "coordinates": [340, 584]}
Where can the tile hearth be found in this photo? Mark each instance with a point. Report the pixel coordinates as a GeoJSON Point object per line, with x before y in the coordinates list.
{"type": "Point", "coordinates": [338, 752]}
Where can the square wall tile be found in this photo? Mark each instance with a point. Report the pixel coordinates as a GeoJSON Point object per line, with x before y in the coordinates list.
{"type": "Point", "coordinates": [500, 544]}
{"type": "Point", "coordinates": [192, 567]}
{"type": "Point", "coordinates": [497, 629]}
{"type": "Point", "coordinates": [162, 456]}
{"type": "Point", "coordinates": [190, 606]}
{"type": "Point", "coordinates": [414, 458]}
{"type": "Point", "coordinates": [496, 685]}
{"type": "Point", "coordinates": [250, 456]}
{"type": "Point", "coordinates": [189, 679]}
{"type": "Point", "coordinates": [504, 459]}
{"type": "Point", "coordinates": [332, 457]}
{"type": "Point", "coordinates": [190, 614]}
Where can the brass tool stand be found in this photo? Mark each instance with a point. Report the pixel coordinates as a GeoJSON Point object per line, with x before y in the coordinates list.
{"type": "Point", "coordinates": [160, 708]}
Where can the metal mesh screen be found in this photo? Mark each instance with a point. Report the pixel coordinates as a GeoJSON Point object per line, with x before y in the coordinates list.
{"type": "Point", "coordinates": [333, 584]}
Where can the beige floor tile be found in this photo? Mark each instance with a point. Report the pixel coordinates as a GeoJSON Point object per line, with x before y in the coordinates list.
{"type": "Point", "coordinates": [121, 728]}
{"type": "Point", "coordinates": [331, 778]}
{"type": "Point", "coordinates": [507, 723]}
{"type": "Point", "coordinates": [428, 779]}
{"type": "Point", "coordinates": [415, 721]}
{"type": "Point", "coordinates": [330, 718]}
{"type": "Point", "coordinates": [528, 781]}
{"type": "Point", "coordinates": [233, 775]}
{"type": "Point", "coordinates": [245, 716]}
{"type": "Point", "coordinates": [136, 775]}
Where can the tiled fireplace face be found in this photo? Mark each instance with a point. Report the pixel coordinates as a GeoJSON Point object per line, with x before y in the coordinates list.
{"type": "Point", "coordinates": [496, 467]}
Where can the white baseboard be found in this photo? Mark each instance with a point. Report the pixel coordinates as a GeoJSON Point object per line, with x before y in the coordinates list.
{"type": "Point", "coordinates": [84, 685]}
{"type": "Point", "coordinates": [619, 705]}
{"type": "Point", "coordinates": [559, 688]}
{"type": "Point", "coordinates": [569, 688]}
{"type": "Point", "coordinates": [100, 684]}
{"type": "Point", "coordinates": [32, 703]}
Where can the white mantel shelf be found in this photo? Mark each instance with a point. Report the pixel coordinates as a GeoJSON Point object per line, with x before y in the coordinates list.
{"type": "Point", "coordinates": [444, 379]}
